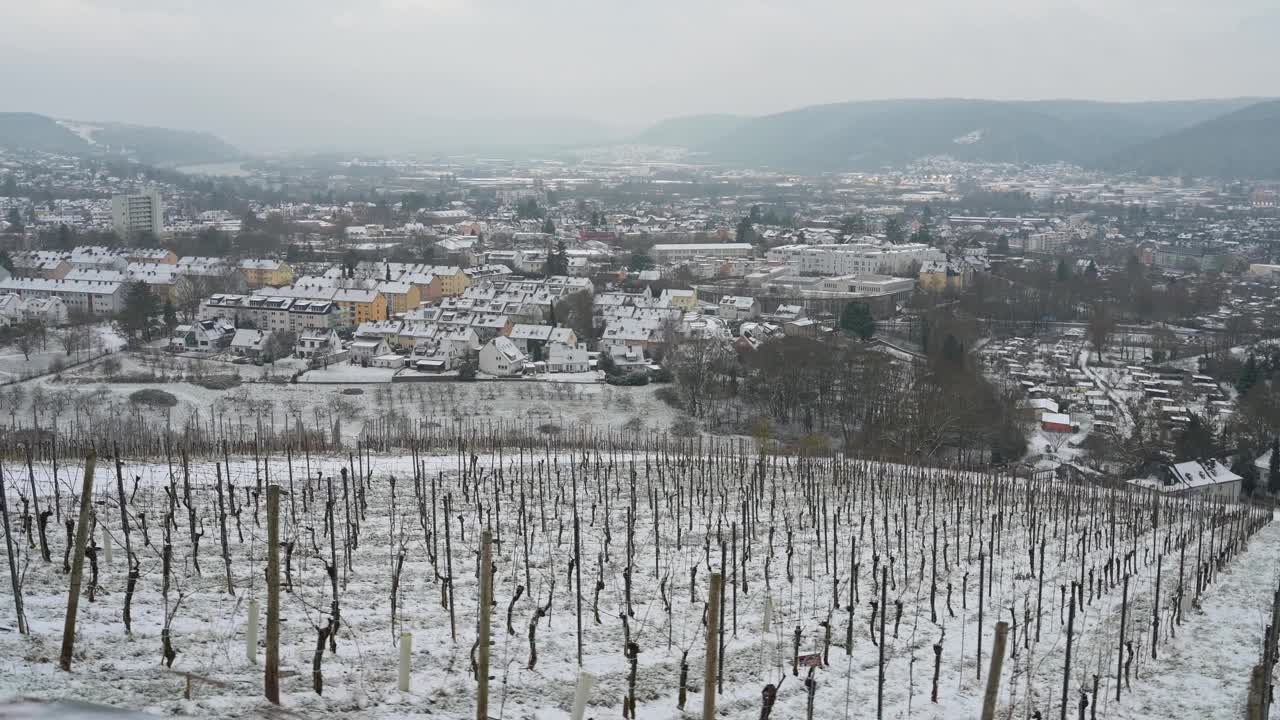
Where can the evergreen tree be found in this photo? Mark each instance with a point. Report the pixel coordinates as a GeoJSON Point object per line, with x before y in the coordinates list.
{"type": "Point", "coordinates": [1064, 270]}
{"type": "Point", "coordinates": [548, 227]}
{"type": "Point", "coordinates": [6, 262]}
{"type": "Point", "coordinates": [1196, 442]}
{"type": "Point", "coordinates": [1273, 467]}
{"type": "Point", "coordinates": [857, 319]}
{"type": "Point", "coordinates": [1243, 466]}
{"type": "Point", "coordinates": [922, 235]}
{"type": "Point", "coordinates": [170, 315]}
{"type": "Point", "coordinates": [743, 233]}
{"type": "Point", "coordinates": [639, 261]}
{"type": "Point", "coordinates": [894, 232]}
{"type": "Point", "coordinates": [557, 262]}
{"type": "Point", "coordinates": [14, 219]}
{"type": "Point", "coordinates": [952, 351]}
{"type": "Point", "coordinates": [140, 306]}
{"type": "Point", "coordinates": [1002, 245]}
{"type": "Point", "coordinates": [1249, 375]}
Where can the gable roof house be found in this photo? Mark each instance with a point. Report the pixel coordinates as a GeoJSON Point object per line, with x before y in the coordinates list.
{"type": "Point", "coordinates": [316, 343]}
{"type": "Point", "coordinates": [501, 358]}
{"type": "Point", "coordinates": [250, 343]}
{"type": "Point", "coordinates": [1210, 479]}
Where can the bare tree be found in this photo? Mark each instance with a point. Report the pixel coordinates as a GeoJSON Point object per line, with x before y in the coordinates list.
{"type": "Point", "coordinates": [1102, 327]}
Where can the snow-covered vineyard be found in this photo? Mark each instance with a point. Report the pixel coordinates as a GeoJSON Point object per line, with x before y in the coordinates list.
{"type": "Point", "coordinates": [854, 589]}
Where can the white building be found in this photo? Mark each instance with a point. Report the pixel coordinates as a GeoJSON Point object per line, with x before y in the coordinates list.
{"type": "Point", "coordinates": [668, 253]}
{"type": "Point", "coordinates": [561, 357]}
{"type": "Point", "coordinates": [853, 258]}
{"type": "Point", "coordinates": [501, 358]}
{"type": "Point", "coordinates": [1211, 479]}
{"type": "Point", "coordinates": [133, 214]}
{"type": "Point", "coordinates": [90, 297]}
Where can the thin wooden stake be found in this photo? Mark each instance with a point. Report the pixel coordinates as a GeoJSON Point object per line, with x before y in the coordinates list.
{"type": "Point", "coordinates": [77, 564]}
{"type": "Point", "coordinates": [713, 648]}
{"type": "Point", "coordinates": [272, 674]}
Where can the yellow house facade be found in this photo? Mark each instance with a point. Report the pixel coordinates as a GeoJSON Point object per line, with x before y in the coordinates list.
{"type": "Point", "coordinates": [401, 297]}
{"type": "Point", "coordinates": [359, 306]}
{"type": "Point", "coordinates": [266, 273]}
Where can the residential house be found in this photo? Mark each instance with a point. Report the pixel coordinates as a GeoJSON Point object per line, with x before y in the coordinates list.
{"type": "Point", "coordinates": [162, 279]}
{"type": "Point", "coordinates": [363, 351]}
{"type": "Point", "coordinates": [501, 358]}
{"type": "Point", "coordinates": [90, 297]}
{"type": "Point", "coordinates": [565, 358]}
{"type": "Point", "coordinates": [250, 343]}
{"type": "Point", "coordinates": [266, 273]}
{"type": "Point", "coordinates": [1210, 479]}
{"type": "Point", "coordinates": [802, 327]}
{"type": "Point", "coordinates": [11, 309]}
{"type": "Point", "coordinates": [317, 343]}
{"type": "Point", "coordinates": [736, 308]}
{"type": "Point", "coordinates": [1056, 422]}
{"type": "Point", "coordinates": [686, 300]}
{"type": "Point", "coordinates": [151, 256]}
{"type": "Point", "coordinates": [203, 335]}
{"type": "Point", "coordinates": [48, 311]}
{"type": "Point", "coordinates": [47, 264]}
{"type": "Point", "coordinates": [633, 334]}
{"type": "Point", "coordinates": [530, 338]}
{"type": "Point", "coordinates": [401, 296]}
{"type": "Point", "coordinates": [387, 330]}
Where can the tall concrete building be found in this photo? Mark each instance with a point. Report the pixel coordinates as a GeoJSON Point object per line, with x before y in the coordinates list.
{"type": "Point", "coordinates": [133, 214]}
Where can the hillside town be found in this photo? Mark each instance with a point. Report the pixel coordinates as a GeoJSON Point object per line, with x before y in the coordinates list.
{"type": "Point", "coordinates": [1073, 296]}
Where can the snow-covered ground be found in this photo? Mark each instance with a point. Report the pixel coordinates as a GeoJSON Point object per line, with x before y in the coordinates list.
{"type": "Point", "coordinates": [798, 537]}
{"type": "Point", "coordinates": [266, 399]}
{"type": "Point", "coordinates": [15, 366]}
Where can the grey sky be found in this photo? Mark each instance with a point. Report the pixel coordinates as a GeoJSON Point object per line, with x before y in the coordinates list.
{"type": "Point", "coordinates": [300, 73]}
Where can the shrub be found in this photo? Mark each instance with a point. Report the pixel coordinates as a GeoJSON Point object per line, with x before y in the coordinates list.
{"type": "Point", "coordinates": [467, 372]}
{"type": "Point", "coordinates": [352, 391]}
{"type": "Point", "coordinates": [151, 397]}
{"type": "Point", "coordinates": [549, 429]}
{"type": "Point", "coordinates": [217, 382]}
{"type": "Point", "coordinates": [684, 426]}
{"type": "Point", "coordinates": [631, 379]}
{"type": "Point", "coordinates": [670, 396]}
{"type": "Point", "coordinates": [661, 375]}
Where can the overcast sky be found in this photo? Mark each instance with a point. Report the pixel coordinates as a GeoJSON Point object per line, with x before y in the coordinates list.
{"type": "Point", "coordinates": [306, 73]}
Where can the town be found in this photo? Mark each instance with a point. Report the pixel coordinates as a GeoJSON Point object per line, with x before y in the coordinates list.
{"type": "Point", "coordinates": [620, 359]}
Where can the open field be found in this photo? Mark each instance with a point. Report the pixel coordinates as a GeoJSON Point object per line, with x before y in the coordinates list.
{"type": "Point", "coordinates": [823, 543]}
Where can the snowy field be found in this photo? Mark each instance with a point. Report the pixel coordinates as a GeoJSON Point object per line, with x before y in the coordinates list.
{"type": "Point", "coordinates": [958, 554]}
{"type": "Point", "coordinates": [86, 397]}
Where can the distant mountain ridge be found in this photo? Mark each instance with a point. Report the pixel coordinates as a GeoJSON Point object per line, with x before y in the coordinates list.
{"type": "Point", "coordinates": [1244, 143]}
{"type": "Point", "coordinates": [150, 145]}
{"type": "Point", "coordinates": [867, 135]}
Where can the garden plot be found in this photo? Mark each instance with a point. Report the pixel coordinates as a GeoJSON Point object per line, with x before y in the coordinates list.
{"type": "Point", "coordinates": [881, 577]}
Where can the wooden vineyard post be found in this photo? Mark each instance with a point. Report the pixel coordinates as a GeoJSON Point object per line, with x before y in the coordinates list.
{"type": "Point", "coordinates": [13, 559]}
{"type": "Point", "coordinates": [272, 673]}
{"type": "Point", "coordinates": [713, 632]}
{"type": "Point", "coordinates": [884, 598]}
{"type": "Point", "coordinates": [77, 564]}
{"type": "Point", "coordinates": [1066, 669]}
{"type": "Point", "coordinates": [1255, 709]}
{"type": "Point", "coordinates": [486, 602]}
{"type": "Point", "coordinates": [1124, 611]}
{"type": "Point", "coordinates": [993, 676]}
